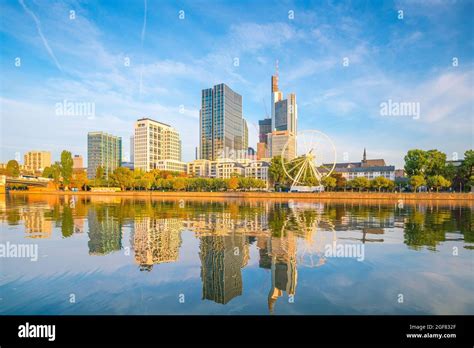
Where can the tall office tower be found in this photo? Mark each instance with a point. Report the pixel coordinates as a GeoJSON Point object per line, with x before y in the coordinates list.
{"type": "Point", "coordinates": [103, 150]}
{"type": "Point", "coordinates": [245, 128]}
{"type": "Point", "coordinates": [220, 120]}
{"type": "Point", "coordinates": [154, 143]}
{"type": "Point", "coordinates": [286, 114]}
{"type": "Point", "coordinates": [37, 160]}
{"type": "Point", "coordinates": [277, 95]}
{"type": "Point", "coordinates": [265, 127]}
{"type": "Point", "coordinates": [132, 149]}
{"type": "Point", "coordinates": [284, 122]}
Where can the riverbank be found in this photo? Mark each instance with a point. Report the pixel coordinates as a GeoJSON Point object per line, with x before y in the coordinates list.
{"type": "Point", "coordinates": [392, 196]}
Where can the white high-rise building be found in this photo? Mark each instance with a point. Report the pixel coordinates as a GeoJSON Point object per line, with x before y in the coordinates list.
{"type": "Point", "coordinates": [155, 142]}
{"type": "Point", "coordinates": [132, 144]}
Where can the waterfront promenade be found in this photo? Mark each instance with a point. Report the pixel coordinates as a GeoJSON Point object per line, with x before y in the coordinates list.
{"type": "Point", "coordinates": [392, 196]}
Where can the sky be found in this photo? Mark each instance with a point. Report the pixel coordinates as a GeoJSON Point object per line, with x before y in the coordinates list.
{"type": "Point", "coordinates": [134, 59]}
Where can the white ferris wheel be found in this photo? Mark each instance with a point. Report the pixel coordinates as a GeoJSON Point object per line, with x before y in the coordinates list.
{"type": "Point", "coordinates": [311, 160]}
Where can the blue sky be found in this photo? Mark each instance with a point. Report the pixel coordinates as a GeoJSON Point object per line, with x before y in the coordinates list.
{"type": "Point", "coordinates": [172, 59]}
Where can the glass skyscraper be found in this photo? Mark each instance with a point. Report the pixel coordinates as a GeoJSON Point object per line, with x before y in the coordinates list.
{"type": "Point", "coordinates": [221, 123]}
{"type": "Point", "coordinates": [103, 150]}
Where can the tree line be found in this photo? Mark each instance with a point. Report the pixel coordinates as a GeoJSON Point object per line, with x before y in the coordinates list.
{"type": "Point", "coordinates": [428, 169]}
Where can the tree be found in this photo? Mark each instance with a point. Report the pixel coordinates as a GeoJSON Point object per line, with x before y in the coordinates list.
{"type": "Point", "coordinates": [381, 182]}
{"type": "Point", "coordinates": [99, 176]}
{"type": "Point", "coordinates": [275, 171]}
{"type": "Point", "coordinates": [341, 181]}
{"type": "Point", "coordinates": [425, 163]}
{"type": "Point", "coordinates": [360, 183]}
{"type": "Point", "coordinates": [233, 183]}
{"type": "Point", "coordinates": [79, 180]}
{"type": "Point", "coordinates": [179, 184]}
{"type": "Point", "coordinates": [66, 167]}
{"type": "Point", "coordinates": [415, 162]}
{"type": "Point", "coordinates": [329, 182]}
{"type": "Point", "coordinates": [438, 181]}
{"type": "Point", "coordinates": [53, 172]}
{"type": "Point", "coordinates": [436, 162]}
{"type": "Point", "coordinates": [468, 163]}
{"type": "Point", "coordinates": [417, 181]}
{"type": "Point", "coordinates": [471, 181]}
{"type": "Point", "coordinates": [122, 177]}
{"type": "Point", "coordinates": [13, 169]}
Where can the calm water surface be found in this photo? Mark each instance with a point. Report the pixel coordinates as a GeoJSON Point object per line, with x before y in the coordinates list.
{"type": "Point", "coordinates": [104, 255]}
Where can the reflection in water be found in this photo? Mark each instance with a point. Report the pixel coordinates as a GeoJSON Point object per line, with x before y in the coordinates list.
{"type": "Point", "coordinates": [288, 235]}
{"type": "Point", "coordinates": [156, 241]}
{"type": "Point", "coordinates": [222, 258]}
{"type": "Point", "coordinates": [105, 232]}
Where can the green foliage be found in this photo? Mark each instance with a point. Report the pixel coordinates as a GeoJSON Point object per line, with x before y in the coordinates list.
{"type": "Point", "coordinates": [436, 161]}
{"type": "Point", "coordinates": [361, 183]}
{"type": "Point", "coordinates": [233, 183]}
{"type": "Point", "coordinates": [13, 168]}
{"type": "Point", "coordinates": [66, 166]}
{"type": "Point", "coordinates": [415, 162]}
{"type": "Point", "coordinates": [381, 182]}
{"type": "Point", "coordinates": [416, 181]}
{"type": "Point", "coordinates": [329, 183]}
{"type": "Point", "coordinates": [122, 177]}
{"type": "Point", "coordinates": [437, 182]}
{"type": "Point", "coordinates": [53, 172]}
{"type": "Point", "coordinates": [275, 171]}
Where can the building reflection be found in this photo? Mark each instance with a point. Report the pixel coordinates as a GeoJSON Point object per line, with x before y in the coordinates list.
{"type": "Point", "coordinates": [283, 233]}
{"type": "Point", "coordinates": [279, 255]}
{"type": "Point", "coordinates": [36, 224]}
{"type": "Point", "coordinates": [222, 260]}
{"type": "Point", "coordinates": [156, 241]}
{"type": "Point", "coordinates": [105, 232]}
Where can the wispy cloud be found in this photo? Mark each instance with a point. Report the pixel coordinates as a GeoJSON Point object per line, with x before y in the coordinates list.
{"type": "Point", "coordinates": [40, 33]}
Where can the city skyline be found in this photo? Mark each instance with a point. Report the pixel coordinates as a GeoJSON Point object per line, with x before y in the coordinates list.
{"type": "Point", "coordinates": [419, 58]}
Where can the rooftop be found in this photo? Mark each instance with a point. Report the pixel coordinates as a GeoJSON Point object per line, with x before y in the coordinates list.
{"type": "Point", "coordinates": [149, 119]}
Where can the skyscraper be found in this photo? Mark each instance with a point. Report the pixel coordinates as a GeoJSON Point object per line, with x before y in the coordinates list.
{"type": "Point", "coordinates": [285, 114]}
{"type": "Point", "coordinates": [284, 122]}
{"type": "Point", "coordinates": [132, 150]}
{"type": "Point", "coordinates": [154, 143]}
{"type": "Point", "coordinates": [245, 128]}
{"type": "Point", "coordinates": [103, 150]}
{"type": "Point", "coordinates": [265, 127]}
{"type": "Point", "coordinates": [221, 124]}
{"type": "Point", "coordinates": [276, 96]}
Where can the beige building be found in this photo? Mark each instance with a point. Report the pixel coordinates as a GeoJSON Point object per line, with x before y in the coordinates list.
{"type": "Point", "coordinates": [171, 166]}
{"type": "Point", "coordinates": [225, 169]}
{"type": "Point", "coordinates": [37, 160]}
{"type": "Point", "coordinates": [199, 168]}
{"type": "Point", "coordinates": [257, 170]}
{"type": "Point", "coordinates": [154, 142]}
{"type": "Point", "coordinates": [277, 141]}
{"type": "Point", "coordinates": [78, 162]}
